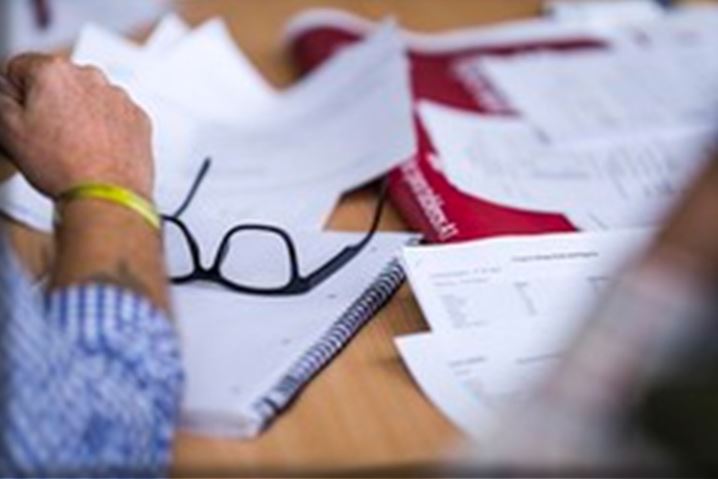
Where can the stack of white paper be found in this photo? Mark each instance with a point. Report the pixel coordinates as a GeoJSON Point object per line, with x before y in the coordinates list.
{"type": "Point", "coordinates": [501, 313]}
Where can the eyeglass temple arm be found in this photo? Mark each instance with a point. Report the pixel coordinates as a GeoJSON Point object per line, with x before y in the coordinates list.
{"type": "Point", "coordinates": [204, 169]}
{"type": "Point", "coordinates": [333, 265]}
{"type": "Point", "coordinates": [345, 255]}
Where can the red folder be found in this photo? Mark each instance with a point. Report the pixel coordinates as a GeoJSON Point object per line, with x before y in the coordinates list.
{"type": "Point", "coordinates": [418, 188]}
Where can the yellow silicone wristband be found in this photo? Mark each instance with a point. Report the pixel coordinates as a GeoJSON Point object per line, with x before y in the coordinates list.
{"type": "Point", "coordinates": [114, 194]}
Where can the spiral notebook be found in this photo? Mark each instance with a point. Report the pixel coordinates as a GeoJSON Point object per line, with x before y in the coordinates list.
{"type": "Point", "coordinates": [248, 357]}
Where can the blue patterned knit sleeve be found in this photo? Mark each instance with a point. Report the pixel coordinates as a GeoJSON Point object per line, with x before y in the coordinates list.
{"type": "Point", "coordinates": [92, 381]}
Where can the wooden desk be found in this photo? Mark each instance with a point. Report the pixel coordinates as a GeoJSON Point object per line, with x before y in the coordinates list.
{"type": "Point", "coordinates": [363, 411]}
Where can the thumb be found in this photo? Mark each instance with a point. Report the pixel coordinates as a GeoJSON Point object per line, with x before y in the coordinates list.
{"type": "Point", "coordinates": [10, 122]}
{"type": "Point", "coordinates": [9, 90]}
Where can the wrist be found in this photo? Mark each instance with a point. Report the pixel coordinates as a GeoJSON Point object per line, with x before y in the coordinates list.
{"type": "Point", "coordinates": [117, 196]}
{"type": "Point", "coordinates": [142, 190]}
{"type": "Point", "coordinates": [93, 218]}
{"type": "Point", "coordinates": [99, 241]}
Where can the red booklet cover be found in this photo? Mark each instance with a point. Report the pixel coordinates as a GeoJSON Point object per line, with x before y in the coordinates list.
{"type": "Point", "coordinates": [418, 188]}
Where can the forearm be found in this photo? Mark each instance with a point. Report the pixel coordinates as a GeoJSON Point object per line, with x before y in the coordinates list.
{"type": "Point", "coordinates": [100, 242]}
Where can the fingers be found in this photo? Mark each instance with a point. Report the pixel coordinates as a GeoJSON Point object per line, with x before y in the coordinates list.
{"type": "Point", "coordinates": [23, 70]}
{"type": "Point", "coordinates": [95, 75]}
{"type": "Point", "coordinates": [10, 124]}
{"type": "Point", "coordinates": [10, 100]}
{"type": "Point", "coordinates": [9, 90]}
{"type": "Point", "coordinates": [10, 107]}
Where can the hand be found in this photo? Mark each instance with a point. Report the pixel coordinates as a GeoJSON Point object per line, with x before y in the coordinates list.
{"type": "Point", "coordinates": [62, 125]}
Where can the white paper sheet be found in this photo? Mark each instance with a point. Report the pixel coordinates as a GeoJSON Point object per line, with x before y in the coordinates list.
{"type": "Point", "coordinates": [685, 24]}
{"type": "Point", "coordinates": [167, 34]}
{"type": "Point", "coordinates": [473, 377]}
{"type": "Point", "coordinates": [600, 184]}
{"type": "Point", "coordinates": [121, 59]}
{"type": "Point", "coordinates": [118, 58]}
{"type": "Point", "coordinates": [346, 126]}
{"type": "Point", "coordinates": [207, 74]}
{"type": "Point", "coordinates": [605, 14]}
{"type": "Point", "coordinates": [471, 285]}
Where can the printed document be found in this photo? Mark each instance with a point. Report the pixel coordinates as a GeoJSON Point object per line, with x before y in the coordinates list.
{"type": "Point", "coordinates": [473, 377]}
{"type": "Point", "coordinates": [508, 280]}
{"type": "Point", "coordinates": [502, 312]}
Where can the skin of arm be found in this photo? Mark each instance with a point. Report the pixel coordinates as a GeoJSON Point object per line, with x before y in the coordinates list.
{"type": "Point", "coordinates": [62, 125]}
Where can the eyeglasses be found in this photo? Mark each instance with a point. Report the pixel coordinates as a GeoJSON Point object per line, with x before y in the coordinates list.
{"type": "Point", "coordinates": [251, 258]}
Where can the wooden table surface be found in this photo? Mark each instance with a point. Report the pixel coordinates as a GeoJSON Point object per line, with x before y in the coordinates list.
{"type": "Point", "coordinates": [363, 411]}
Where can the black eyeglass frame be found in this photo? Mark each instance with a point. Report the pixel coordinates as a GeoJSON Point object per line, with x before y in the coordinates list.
{"type": "Point", "coordinates": [297, 283]}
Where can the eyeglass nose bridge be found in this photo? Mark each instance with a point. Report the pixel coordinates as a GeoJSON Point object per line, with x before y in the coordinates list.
{"type": "Point", "coordinates": [199, 273]}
